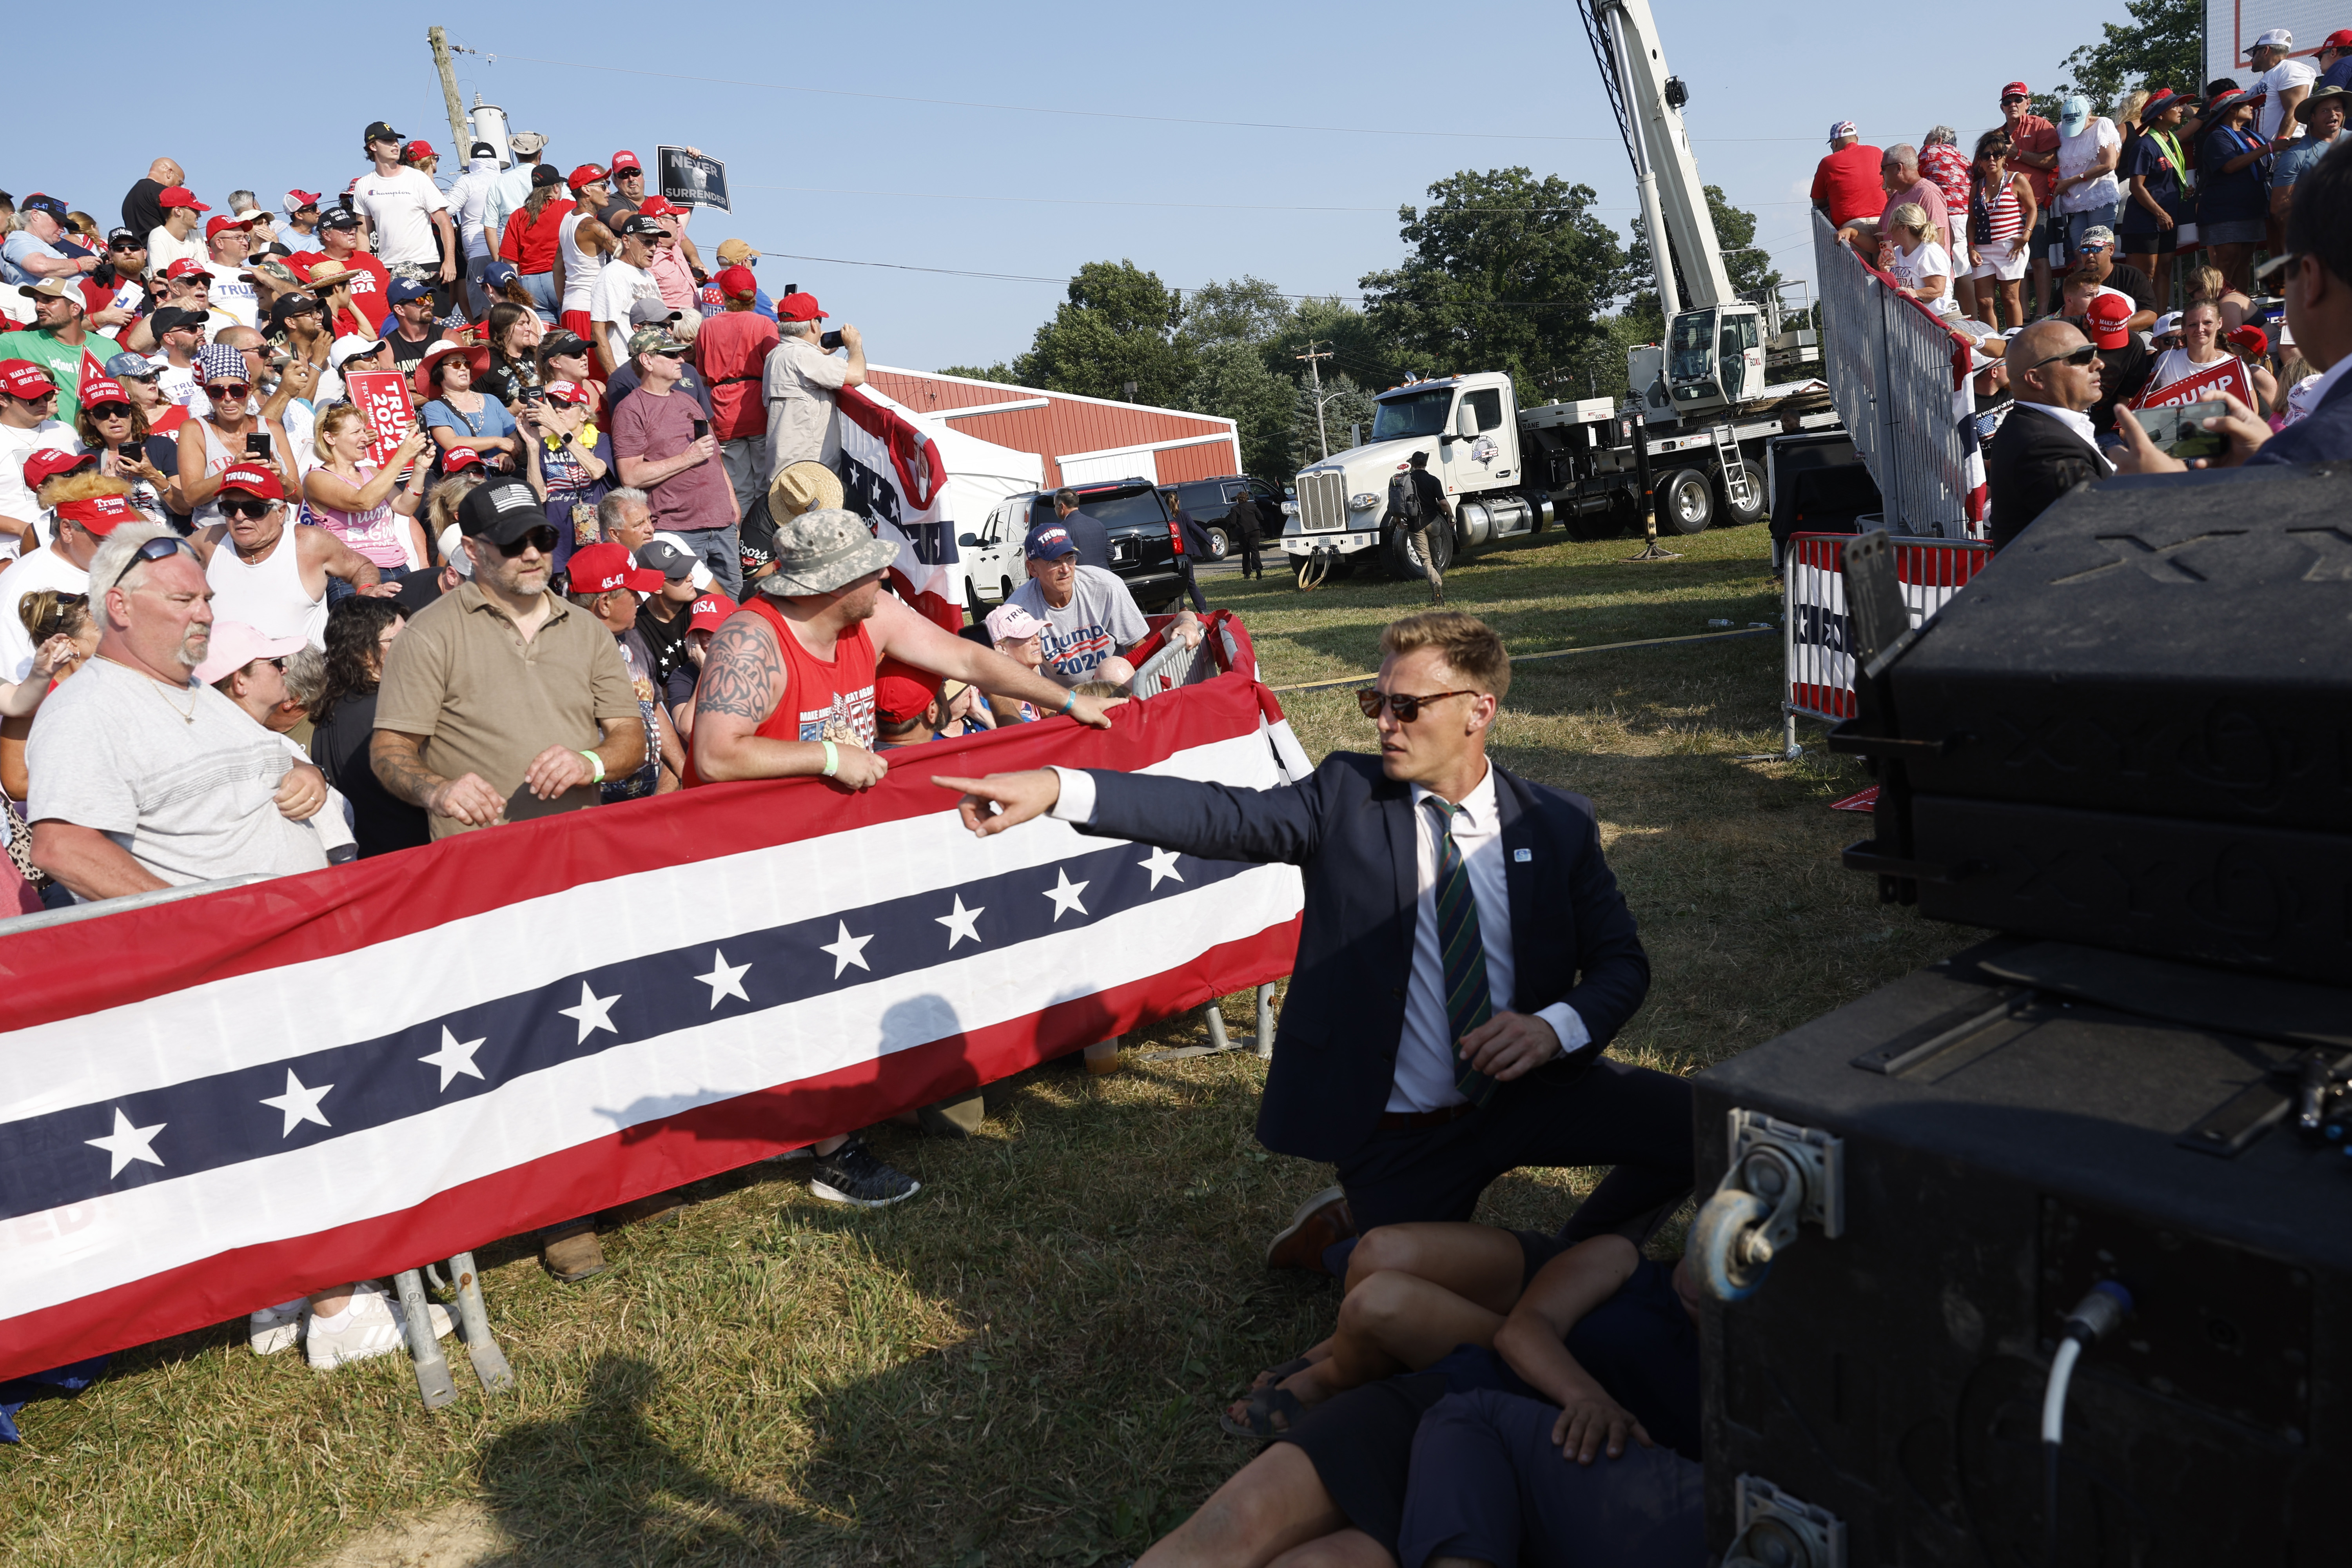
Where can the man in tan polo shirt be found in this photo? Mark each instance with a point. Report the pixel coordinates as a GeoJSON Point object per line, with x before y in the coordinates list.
{"type": "Point", "coordinates": [501, 701]}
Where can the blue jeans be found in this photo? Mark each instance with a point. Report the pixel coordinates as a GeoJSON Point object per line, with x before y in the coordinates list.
{"type": "Point", "coordinates": [542, 294]}
{"type": "Point", "coordinates": [721, 550]}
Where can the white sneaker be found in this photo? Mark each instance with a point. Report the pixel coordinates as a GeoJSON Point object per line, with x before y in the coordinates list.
{"type": "Point", "coordinates": [371, 1325]}
{"type": "Point", "coordinates": [274, 1329]}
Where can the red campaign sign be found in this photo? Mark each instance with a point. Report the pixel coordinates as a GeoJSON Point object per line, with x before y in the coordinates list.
{"type": "Point", "coordinates": [381, 398]}
{"type": "Point", "coordinates": [2227, 376]}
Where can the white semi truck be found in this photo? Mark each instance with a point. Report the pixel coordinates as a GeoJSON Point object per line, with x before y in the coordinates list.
{"type": "Point", "coordinates": [1692, 435]}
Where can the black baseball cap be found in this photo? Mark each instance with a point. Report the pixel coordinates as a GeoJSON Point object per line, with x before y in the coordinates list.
{"type": "Point", "coordinates": [170, 317]}
{"type": "Point", "coordinates": [639, 224]}
{"type": "Point", "coordinates": [545, 174]}
{"type": "Point", "coordinates": [500, 511]}
{"type": "Point", "coordinates": [562, 342]}
{"type": "Point", "coordinates": [379, 131]}
{"type": "Point", "coordinates": [125, 240]}
{"type": "Point", "coordinates": [339, 217]}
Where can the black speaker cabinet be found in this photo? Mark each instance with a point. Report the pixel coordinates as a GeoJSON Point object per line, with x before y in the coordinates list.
{"type": "Point", "coordinates": [1991, 1139]}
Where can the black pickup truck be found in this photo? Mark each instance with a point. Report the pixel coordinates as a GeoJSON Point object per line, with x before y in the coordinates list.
{"type": "Point", "coordinates": [1142, 531]}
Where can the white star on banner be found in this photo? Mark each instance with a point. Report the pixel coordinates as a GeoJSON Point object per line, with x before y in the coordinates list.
{"type": "Point", "coordinates": [594, 1013]}
{"type": "Point", "coordinates": [963, 923]}
{"type": "Point", "coordinates": [127, 1143]}
{"type": "Point", "coordinates": [1066, 894]}
{"type": "Point", "coordinates": [299, 1104]}
{"type": "Point", "coordinates": [455, 1057]}
{"type": "Point", "coordinates": [725, 979]}
{"type": "Point", "coordinates": [847, 951]}
{"type": "Point", "coordinates": [1160, 863]}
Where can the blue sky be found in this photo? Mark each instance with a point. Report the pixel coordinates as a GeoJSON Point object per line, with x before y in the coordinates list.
{"type": "Point", "coordinates": [929, 183]}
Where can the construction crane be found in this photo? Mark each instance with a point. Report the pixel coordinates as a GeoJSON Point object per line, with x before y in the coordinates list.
{"type": "Point", "coordinates": [1720, 348]}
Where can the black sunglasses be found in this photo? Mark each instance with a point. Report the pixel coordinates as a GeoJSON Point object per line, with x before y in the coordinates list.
{"type": "Point", "coordinates": [160, 548]}
{"type": "Point", "coordinates": [229, 389]}
{"type": "Point", "coordinates": [1405, 705]}
{"type": "Point", "coordinates": [252, 506]}
{"type": "Point", "coordinates": [111, 411]}
{"type": "Point", "coordinates": [542, 538]}
{"type": "Point", "coordinates": [2081, 356]}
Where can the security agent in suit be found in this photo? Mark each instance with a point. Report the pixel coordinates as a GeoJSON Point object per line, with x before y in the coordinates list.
{"type": "Point", "coordinates": [1372, 1069]}
{"type": "Point", "coordinates": [2044, 448]}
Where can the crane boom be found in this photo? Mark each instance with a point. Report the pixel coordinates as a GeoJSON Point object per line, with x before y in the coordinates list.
{"type": "Point", "coordinates": [1648, 105]}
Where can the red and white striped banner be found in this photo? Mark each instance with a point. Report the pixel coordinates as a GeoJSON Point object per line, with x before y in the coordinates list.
{"type": "Point", "coordinates": [1819, 666]}
{"type": "Point", "coordinates": [214, 1104]}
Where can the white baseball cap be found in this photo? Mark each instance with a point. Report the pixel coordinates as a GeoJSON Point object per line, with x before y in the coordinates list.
{"type": "Point", "coordinates": [2168, 323]}
{"type": "Point", "coordinates": [453, 551]}
{"type": "Point", "coordinates": [2276, 38]}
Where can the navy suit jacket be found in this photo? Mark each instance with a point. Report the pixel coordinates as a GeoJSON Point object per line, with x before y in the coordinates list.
{"type": "Point", "coordinates": [1349, 829]}
{"type": "Point", "coordinates": [2322, 436]}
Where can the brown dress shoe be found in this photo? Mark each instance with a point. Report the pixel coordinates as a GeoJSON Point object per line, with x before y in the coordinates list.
{"type": "Point", "coordinates": [570, 1251]}
{"type": "Point", "coordinates": [1320, 1221]}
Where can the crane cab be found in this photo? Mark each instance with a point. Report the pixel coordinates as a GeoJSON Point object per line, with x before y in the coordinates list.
{"type": "Point", "coordinates": [1714, 358]}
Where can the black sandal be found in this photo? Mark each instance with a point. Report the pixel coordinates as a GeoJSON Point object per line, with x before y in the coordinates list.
{"type": "Point", "coordinates": [1262, 1406]}
{"type": "Point", "coordinates": [1274, 1374]}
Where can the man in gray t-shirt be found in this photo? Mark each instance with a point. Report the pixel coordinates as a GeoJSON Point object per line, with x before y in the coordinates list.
{"type": "Point", "coordinates": [800, 381]}
{"type": "Point", "coordinates": [1092, 624]}
{"type": "Point", "coordinates": [143, 779]}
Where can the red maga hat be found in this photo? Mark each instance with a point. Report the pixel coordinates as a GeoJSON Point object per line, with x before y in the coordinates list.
{"type": "Point", "coordinates": [601, 568]}
{"type": "Point", "coordinates": [101, 515]}
{"type": "Point", "coordinates": [46, 464]}
{"type": "Point", "coordinates": [253, 479]}
{"type": "Point", "coordinates": [2105, 318]}
{"type": "Point", "coordinates": [799, 308]}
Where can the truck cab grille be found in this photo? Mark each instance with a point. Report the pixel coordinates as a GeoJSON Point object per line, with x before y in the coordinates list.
{"type": "Point", "coordinates": [1322, 502]}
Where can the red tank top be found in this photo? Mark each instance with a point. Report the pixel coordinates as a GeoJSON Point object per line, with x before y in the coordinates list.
{"type": "Point", "coordinates": [823, 700]}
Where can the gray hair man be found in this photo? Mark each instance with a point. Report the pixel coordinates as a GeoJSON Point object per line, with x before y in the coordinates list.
{"type": "Point", "coordinates": [625, 517]}
{"type": "Point", "coordinates": [1899, 175]}
{"type": "Point", "coordinates": [109, 760]}
{"type": "Point", "coordinates": [800, 380]}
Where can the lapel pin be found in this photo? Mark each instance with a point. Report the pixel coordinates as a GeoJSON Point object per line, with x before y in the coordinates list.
{"type": "Point", "coordinates": [1523, 855]}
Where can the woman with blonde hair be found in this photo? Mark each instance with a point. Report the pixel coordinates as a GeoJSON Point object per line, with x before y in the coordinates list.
{"type": "Point", "coordinates": [1920, 266]}
{"type": "Point", "coordinates": [2208, 283]}
{"type": "Point", "coordinates": [366, 507]}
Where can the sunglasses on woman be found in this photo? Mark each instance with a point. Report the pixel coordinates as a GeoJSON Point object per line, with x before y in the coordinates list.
{"type": "Point", "coordinates": [228, 389]}
{"type": "Point", "coordinates": [1405, 705]}
{"type": "Point", "coordinates": [111, 411]}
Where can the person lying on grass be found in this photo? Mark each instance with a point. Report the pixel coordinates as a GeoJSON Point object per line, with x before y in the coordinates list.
{"type": "Point", "coordinates": [1598, 1357]}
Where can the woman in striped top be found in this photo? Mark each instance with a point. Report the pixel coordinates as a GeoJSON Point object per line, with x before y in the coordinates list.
{"type": "Point", "coordinates": [2001, 215]}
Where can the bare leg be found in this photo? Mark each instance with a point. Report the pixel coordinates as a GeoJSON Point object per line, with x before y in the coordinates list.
{"type": "Point", "coordinates": [1275, 1503]}
{"type": "Point", "coordinates": [1477, 1262]}
{"type": "Point", "coordinates": [1340, 1549]}
{"type": "Point", "coordinates": [2011, 303]}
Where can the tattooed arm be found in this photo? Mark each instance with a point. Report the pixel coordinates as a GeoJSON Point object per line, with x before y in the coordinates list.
{"type": "Point", "coordinates": [399, 766]}
{"type": "Point", "coordinates": [743, 684]}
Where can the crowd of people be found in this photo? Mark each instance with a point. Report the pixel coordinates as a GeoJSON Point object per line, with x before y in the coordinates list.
{"type": "Point", "coordinates": [2187, 250]}
{"type": "Point", "coordinates": [579, 539]}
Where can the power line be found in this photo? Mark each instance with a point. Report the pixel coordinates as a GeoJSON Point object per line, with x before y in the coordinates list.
{"type": "Point", "coordinates": [494, 57]}
{"type": "Point", "coordinates": [1187, 206]}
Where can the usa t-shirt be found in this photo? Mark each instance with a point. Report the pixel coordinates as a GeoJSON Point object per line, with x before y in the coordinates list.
{"type": "Point", "coordinates": [1100, 620]}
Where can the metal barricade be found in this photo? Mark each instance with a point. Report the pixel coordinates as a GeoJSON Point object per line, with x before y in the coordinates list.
{"type": "Point", "coordinates": [1819, 669]}
{"type": "Point", "coordinates": [1891, 367]}
{"type": "Point", "coordinates": [1173, 666]}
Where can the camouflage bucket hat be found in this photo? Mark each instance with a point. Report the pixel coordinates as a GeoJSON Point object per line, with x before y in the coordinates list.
{"type": "Point", "coordinates": [823, 550]}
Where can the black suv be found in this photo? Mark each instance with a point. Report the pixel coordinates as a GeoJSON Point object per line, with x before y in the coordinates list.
{"type": "Point", "coordinates": [1209, 503]}
{"type": "Point", "coordinates": [1142, 529]}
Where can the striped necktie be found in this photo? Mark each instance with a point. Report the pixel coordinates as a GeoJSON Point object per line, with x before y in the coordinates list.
{"type": "Point", "coordinates": [1469, 994]}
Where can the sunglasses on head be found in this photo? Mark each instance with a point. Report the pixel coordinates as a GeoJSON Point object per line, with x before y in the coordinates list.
{"type": "Point", "coordinates": [542, 538]}
{"type": "Point", "coordinates": [1405, 705]}
{"type": "Point", "coordinates": [246, 506]}
{"type": "Point", "coordinates": [111, 411]}
{"type": "Point", "coordinates": [162, 547]}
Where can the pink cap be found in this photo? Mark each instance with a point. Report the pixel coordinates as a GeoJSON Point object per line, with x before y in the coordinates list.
{"type": "Point", "coordinates": [236, 645]}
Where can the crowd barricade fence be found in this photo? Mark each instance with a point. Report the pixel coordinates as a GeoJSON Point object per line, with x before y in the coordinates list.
{"type": "Point", "coordinates": [1818, 670]}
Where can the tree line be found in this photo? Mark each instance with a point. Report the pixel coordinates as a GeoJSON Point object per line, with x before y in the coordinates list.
{"type": "Point", "coordinates": [1502, 270]}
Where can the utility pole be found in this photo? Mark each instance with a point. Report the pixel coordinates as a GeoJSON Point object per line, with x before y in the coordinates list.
{"type": "Point", "coordinates": [1315, 371]}
{"type": "Point", "coordinates": [461, 135]}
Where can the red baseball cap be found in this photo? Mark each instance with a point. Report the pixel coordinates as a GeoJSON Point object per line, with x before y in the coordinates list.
{"type": "Point", "coordinates": [625, 159]}
{"type": "Point", "coordinates": [798, 307]}
{"type": "Point", "coordinates": [741, 282]}
{"type": "Point", "coordinates": [2339, 39]}
{"type": "Point", "coordinates": [567, 392]}
{"type": "Point", "coordinates": [2251, 338]}
{"type": "Point", "coordinates": [23, 378]}
{"type": "Point", "coordinates": [601, 568]}
{"type": "Point", "coordinates": [180, 197]}
{"type": "Point", "coordinates": [2103, 319]}
{"type": "Point", "coordinates": [659, 206]}
{"type": "Point", "coordinates": [901, 692]}
{"type": "Point", "coordinates": [215, 225]}
{"type": "Point", "coordinates": [46, 464]}
{"type": "Point", "coordinates": [296, 200]}
{"type": "Point", "coordinates": [183, 268]}
{"type": "Point", "coordinates": [709, 612]}
{"type": "Point", "coordinates": [2016, 90]}
{"type": "Point", "coordinates": [252, 480]}
{"type": "Point", "coordinates": [100, 389]}
{"type": "Point", "coordinates": [101, 515]}
{"type": "Point", "coordinates": [416, 150]}
{"type": "Point", "coordinates": [458, 458]}
{"type": "Point", "coordinates": [586, 175]}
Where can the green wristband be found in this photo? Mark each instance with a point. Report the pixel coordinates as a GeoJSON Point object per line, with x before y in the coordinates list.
{"type": "Point", "coordinates": [596, 763]}
{"type": "Point", "coordinates": [831, 758]}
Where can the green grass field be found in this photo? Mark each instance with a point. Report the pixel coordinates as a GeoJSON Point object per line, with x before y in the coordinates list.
{"type": "Point", "coordinates": [1023, 1364]}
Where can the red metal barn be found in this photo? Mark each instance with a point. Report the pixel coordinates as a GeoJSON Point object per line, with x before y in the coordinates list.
{"type": "Point", "coordinates": [1081, 438]}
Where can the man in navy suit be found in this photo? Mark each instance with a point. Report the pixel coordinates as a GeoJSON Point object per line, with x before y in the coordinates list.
{"type": "Point", "coordinates": [1464, 961]}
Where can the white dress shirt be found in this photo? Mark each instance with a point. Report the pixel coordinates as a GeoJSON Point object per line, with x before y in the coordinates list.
{"type": "Point", "coordinates": [1426, 1059]}
{"type": "Point", "coordinates": [2077, 422]}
